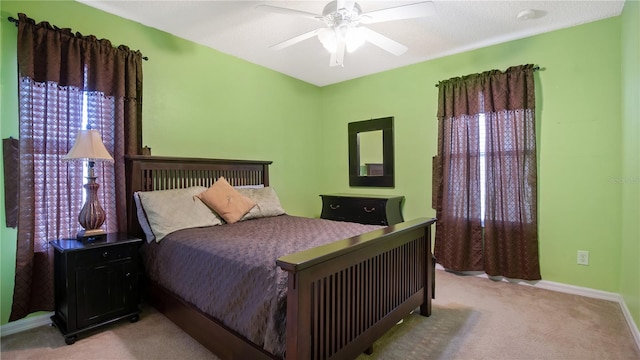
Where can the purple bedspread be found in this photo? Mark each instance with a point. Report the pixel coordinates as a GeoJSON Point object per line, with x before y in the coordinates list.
{"type": "Point", "coordinates": [229, 271]}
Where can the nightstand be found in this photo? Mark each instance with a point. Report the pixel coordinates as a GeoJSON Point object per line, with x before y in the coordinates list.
{"type": "Point", "coordinates": [364, 209]}
{"type": "Point", "coordinates": [96, 283]}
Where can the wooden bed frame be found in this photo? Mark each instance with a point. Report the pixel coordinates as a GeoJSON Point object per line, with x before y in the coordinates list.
{"type": "Point", "coordinates": [341, 297]}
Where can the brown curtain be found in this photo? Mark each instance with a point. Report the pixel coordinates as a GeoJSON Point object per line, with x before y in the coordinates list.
{"type": "Point", "coordinates": [11, 158]}
{"type": "Point", "coordinates": [62, 74]}
{"type": "Point", "coordinates": [505, 103]}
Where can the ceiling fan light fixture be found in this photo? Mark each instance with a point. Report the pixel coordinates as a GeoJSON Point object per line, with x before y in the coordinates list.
{"type": "Point", "coordinates": [328, 39]}
{"type": "Point", "coordinates": [355, 39]}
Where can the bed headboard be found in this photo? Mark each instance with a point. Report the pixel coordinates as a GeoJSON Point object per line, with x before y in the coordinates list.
{"type": "Point", "coordinates": [150, 173]}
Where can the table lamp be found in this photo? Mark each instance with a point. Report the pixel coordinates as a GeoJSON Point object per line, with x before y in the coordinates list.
{"type": "Point", "coordinates": [89, 147]}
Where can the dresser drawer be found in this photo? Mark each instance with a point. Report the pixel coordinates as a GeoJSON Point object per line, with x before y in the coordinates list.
{"type": "Point", "coordinates": [365, 211]}
{"type": "Point", "coordinates": [362, 209]}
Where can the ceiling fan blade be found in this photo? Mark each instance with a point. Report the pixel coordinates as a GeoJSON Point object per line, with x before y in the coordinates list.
{"type": "Point", "coordinates": [421, 9]}
{"type": "Point", "coordinates": [382, 41]}
{"type": "Point", "coordinates": [337, 57]}
{"type": "Point", "coordinates": [287, 11]}
{"type": "Point", "coordinates": [295, 40]}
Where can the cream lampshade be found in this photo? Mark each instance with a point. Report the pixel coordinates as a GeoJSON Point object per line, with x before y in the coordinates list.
{"type": "Point", "coordinates": [89, 147]}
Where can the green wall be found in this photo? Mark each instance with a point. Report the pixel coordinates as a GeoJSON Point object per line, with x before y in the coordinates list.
{"type": "Point", "coordinates": [630, 178]}
{"type": "Point", "coordinates": [200, 102]}
{"type": "Point", "coordinates": [197, 102]}
{"type": "Point", "coordinates": [579, 127]}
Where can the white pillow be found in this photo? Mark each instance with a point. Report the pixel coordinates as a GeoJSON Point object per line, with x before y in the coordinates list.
{"type": "Point", "coordinates": [259, 186]}
{"type": "Point", "coordinates": [171, 210]}
{"type": "Point", "coordinates": [267, 202]}
{"type": "Point", "coordinates": [142, 219]}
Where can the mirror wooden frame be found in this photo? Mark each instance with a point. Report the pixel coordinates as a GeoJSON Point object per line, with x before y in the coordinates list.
{"type": "Point", "coordinates": [387, 179]}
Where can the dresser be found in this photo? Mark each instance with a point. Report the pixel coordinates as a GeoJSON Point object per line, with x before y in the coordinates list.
{"type": "Point", "coordinates": [364, 209]}
{"type": "Point", "coordinates": [96, 283]}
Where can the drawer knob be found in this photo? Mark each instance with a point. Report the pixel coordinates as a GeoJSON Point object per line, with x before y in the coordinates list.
{"type": "Point", "coordinates": [334, 207]}
{"type": "Point", "coordinates": [369, 210]}
{"type": "Point", "coordinates": [105, 254]}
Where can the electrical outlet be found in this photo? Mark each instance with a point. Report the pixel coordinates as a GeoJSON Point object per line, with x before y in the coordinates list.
{"type": "Point", "coordinates": [583, 257]}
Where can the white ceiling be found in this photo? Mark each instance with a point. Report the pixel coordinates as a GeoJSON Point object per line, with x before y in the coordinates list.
{"type": "Point", "coordinates": [239, 29]}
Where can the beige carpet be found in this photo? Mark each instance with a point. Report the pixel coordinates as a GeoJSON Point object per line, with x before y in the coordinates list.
{"type": "Point", "coordinates": [473, 318]}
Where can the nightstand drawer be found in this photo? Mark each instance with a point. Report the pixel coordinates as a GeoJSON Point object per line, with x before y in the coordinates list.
{"type": "Point", "coordinates": [105, 254]}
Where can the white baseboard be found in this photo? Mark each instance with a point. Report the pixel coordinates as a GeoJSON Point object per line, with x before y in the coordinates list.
{"type": "Point", "coordinates": [25, 324]}
{"type": "Point", "coordinates": [632, 326]}
{"type": "Point", "coordinates": [569, 289]}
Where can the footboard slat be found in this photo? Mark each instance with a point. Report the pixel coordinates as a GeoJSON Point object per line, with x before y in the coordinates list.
{"type": "Point", "coordinates": [400, 263]}
{"type": "Point", "coordinates": [357, 293]}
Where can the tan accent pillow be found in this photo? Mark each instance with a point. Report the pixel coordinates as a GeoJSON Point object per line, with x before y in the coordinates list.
{"type": "Point", "coordinates": [226, 201]}
{"type": "Point", "coordinates": [171, 210]}
{"type": "Point", "coordinates": [267, 202]}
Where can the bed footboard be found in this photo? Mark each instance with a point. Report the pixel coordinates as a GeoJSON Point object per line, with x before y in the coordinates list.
{"type": "Point", "coordinates": [345, 295]}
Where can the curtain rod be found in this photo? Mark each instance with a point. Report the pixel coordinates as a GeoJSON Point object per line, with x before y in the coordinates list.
{"type": "Point", "coordinates": [15, 21]}
{"type": "Point", "coordinates": [535, 68]}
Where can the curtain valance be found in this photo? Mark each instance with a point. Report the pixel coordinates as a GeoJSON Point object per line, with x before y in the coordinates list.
{"type": "Point", "coordinates": [501, 90]}
{"type": "Point", "coordinates": [49, 53]}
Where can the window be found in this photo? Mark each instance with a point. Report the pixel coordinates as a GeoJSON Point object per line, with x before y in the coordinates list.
{"type": "Point", "coordinates": [482, 131]}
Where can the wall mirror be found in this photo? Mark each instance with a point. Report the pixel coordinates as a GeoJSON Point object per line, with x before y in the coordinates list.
{"type": "Point", "coordinates": [371, 153]}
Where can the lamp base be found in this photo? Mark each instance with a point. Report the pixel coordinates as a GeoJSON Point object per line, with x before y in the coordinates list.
{"type": "Point", "coordinates": [86, 236]}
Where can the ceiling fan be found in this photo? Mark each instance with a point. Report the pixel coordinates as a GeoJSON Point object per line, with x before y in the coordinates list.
{"type": "Point", "coordinates": [343, 31]}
